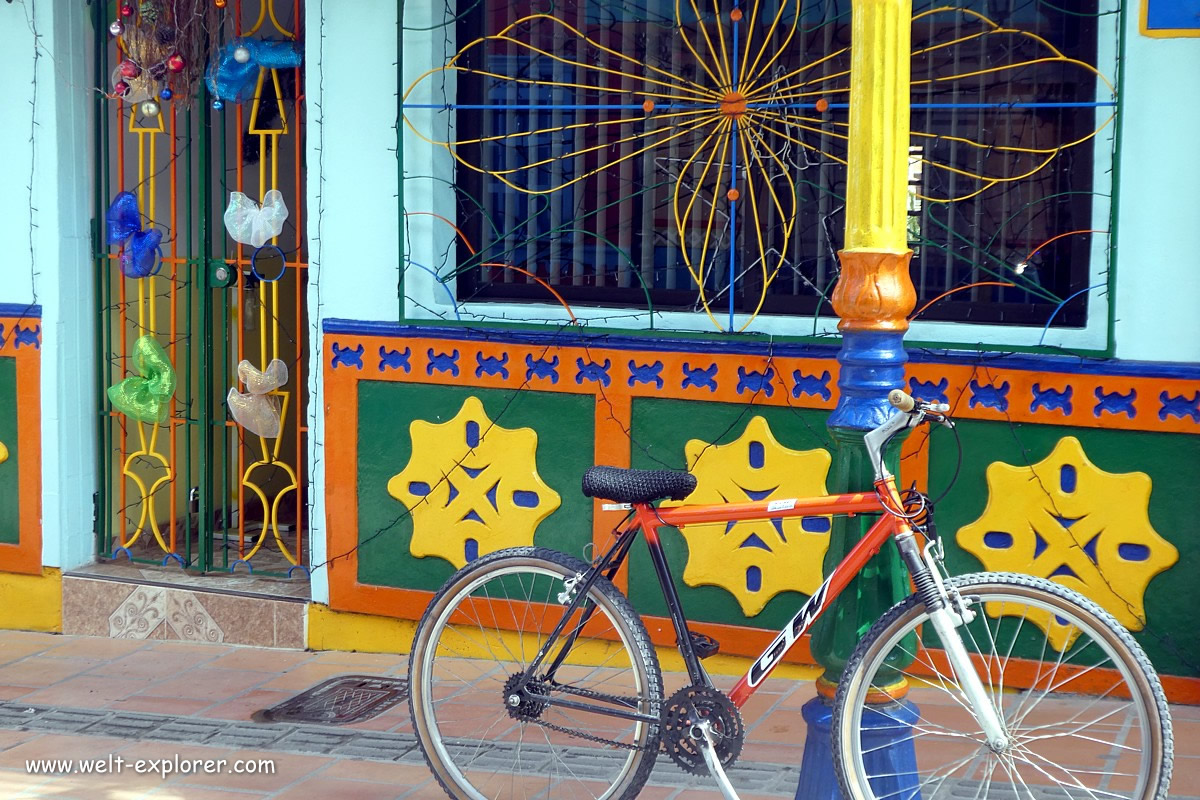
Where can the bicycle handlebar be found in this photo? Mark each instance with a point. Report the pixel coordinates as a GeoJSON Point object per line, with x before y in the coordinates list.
{"type": "Point", "coordinates": [907, 403]}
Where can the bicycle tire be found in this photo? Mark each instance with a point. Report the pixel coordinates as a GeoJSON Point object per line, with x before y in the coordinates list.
{"type": "Point", "coordinates": [1053, 708]}
{"type": "Point", "coordinates": [472, 741]}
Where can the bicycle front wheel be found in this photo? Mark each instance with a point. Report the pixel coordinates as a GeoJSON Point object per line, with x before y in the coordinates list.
{"type": "Point", "coordinates": [1084, 713]}
{"type": "Point", "coordinates": [478, 635]}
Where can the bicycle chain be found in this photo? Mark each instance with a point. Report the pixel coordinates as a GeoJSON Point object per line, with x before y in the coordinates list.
{"type": "Point", "coordinates": [587, 736]}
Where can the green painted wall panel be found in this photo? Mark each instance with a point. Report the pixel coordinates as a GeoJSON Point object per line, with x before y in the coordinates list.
{"type": "Point", "coordinates": [10, 510]}
{"type": "Point", "coordinates": [660, 430]}
{"type": "Point", "coordinates": [1171, 637]}
{"type": "Point", "coordinates": [565, 428]}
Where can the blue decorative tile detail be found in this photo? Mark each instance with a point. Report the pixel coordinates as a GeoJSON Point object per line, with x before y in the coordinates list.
{"type": "Point", "coordinates": [753, 381]}
{"type": "Point", "coordinates": [1067, 478]}
{"type": "Point", "coordinates": [541, 368]}
{"type": "Point", "coordinates": [1065, 571]}
{"type": "Point", "coordinates": [419, 488]}
{"type": "Point", "coordinates": [989, 396]}
{"type": "Point", "coordinates": [812, 384]}
{"type": "Point", "coordinates": [758, 455]}
{"type": "Point", "coordinates": [998, 540]}
{"type": "Point", "coordinates": [929, 391]}
{"type": "Point", "coordinates": [1052, 399]}
{"type": "Point", "coordinates": [526, 499]}
{"type": "Point", "coordinates": [646, 373]}
{"type": "Point", "coordinates": [753, 579]}
{"type": "Point", "coordinates": [1181, 406]}
{"type": "Point", "coordinates": [491, 365]}
{"type": "Point", "coordinates": [591, 371]}
{"type": "Point", "coordinates": [442, 362]}
{"type": "Point", "coordinates": [347, 357]}
{"type": "Point", "coordinates": [394, 359]}
{"type": "Point", "coordinates": [699, 377]}
{"type": "Point", "coordinates": [470, 550]}
{"type": "Point", "coordinates": [30, 337]}
{"type": "Point", "coordinates": [1115, 402]}
{"type": "Point", "coordinates": [3, 341]}
{"type": "Point", "coordinates": [815, 524]}
{"type": "Point", "coordinates": [1133, 552]}
{"type": "Point", "coordinates": [472, 433]}
{"type": "Point", "coordinates": [753, 541]}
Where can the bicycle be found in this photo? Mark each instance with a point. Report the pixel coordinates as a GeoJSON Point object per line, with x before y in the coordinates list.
{"type": "Point", "coordinates": [954, 689]}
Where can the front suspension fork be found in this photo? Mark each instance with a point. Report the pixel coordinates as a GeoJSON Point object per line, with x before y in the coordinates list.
{"type": "Point", "coordinates": [946, 618]}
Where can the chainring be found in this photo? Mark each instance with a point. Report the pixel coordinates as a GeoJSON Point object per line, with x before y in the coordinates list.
{"type": "Point", "coordinates": [687, 707]}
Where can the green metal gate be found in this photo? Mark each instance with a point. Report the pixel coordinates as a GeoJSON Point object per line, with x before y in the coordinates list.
{"type": "Point", "coordinates": [184, 481]}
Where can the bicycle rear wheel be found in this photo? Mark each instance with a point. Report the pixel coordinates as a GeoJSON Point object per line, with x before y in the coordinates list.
{"type": "Point", "coordinates": [1089, 720]}
{"type": "Point", "coordinates": [478, 635]}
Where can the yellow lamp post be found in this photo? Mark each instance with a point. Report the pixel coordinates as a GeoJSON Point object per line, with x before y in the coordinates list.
{"type": "Point", "coordinates": [873, 297]}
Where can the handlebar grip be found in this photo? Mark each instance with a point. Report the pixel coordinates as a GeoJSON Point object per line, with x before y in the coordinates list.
{"type": "Point", "coordinates": [902, 400]}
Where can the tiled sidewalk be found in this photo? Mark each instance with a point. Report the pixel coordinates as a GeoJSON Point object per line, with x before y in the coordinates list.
{"type": "Point", "coordinates": [223, 682]}
{"type": "Point", "coordinates": [220, 682]}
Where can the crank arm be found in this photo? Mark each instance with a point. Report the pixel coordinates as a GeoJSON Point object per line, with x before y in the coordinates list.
{"type": "Point", "coordinates": [708, 750]}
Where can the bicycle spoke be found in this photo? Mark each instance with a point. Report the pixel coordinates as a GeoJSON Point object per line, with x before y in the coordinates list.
{"type": "Point", "coordinates": [1065, 709]}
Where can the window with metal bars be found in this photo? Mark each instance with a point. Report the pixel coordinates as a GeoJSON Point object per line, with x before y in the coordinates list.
{"type": "Point", "coordinates": [585, 158]}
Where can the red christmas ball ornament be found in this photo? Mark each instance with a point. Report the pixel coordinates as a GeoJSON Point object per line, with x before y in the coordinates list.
{"type": "Point", "coordinates": [129, 69]}
{"type": "Point", "coordinates": [120, 88]}
{"type": "Point", "coordinates": [127, 10]}
{"type": "Point", "coordinates": [175, 62]}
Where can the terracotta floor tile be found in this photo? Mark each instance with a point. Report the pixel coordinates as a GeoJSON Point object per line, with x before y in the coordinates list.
{"type": "Point", "coordinates": [13, 738]}
{"type": "Point", "coordinates": [288, 768]}
{"type": "Point", "coordinates": [208, 683]}
{"type": "Point", "coordinates": [179, 706]}
{"type": "Point", "coordinates": [13, 692]}
{"type": "Point", "coordinates": [328, 787]}
{"type": "Point", "coordinates": [152, 663]}
{"type": "Point", "coordinates": [95, 647]}
{"type": "Point", "coordinates": [16, 650]}
{"type": "Point", "coordinates": [85, 691]}
{"type": "Point", "coordinates": [17, 784]}
{"type": "Point", "coordinates": [182, 791]}
{"type": "Point", "coordinates": [52, 745]}
{"type": "Point", "coordinates": [39, 671]}
{"type": "Point", "coordinates": [244, 705]}
{"type": "Point", "coordinates": [378, 771]}
{"type": "Point", "coordinates": [262, 660]}
{"type": "Point", "coordinates": [48, 639]}
{"type": "Point", "coordinates": [364, 660]}
{"type": "Point", "coordinates": [197, 649]}
{"type": "Point", "coordinates": [306, 676]}
{"type": "Point", "coordinates": [783, 725]}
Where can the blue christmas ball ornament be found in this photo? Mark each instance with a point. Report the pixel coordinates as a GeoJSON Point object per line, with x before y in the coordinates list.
{"type": "Point", "coordinates": [166, 94]}
{"type": "Point", "coordinates": [218, 105]}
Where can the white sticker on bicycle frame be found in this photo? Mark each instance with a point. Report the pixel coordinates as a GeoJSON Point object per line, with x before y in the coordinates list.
{"type": "Point", "coordinates": [616, 506]}
{"type": "Point", "coordinates": [781, 505]}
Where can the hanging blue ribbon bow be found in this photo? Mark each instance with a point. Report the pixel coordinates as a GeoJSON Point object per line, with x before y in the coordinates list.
{"type": "Point", "coordinates": [234, 81]}
{"type": "Point", "coordinates": [139, 257]}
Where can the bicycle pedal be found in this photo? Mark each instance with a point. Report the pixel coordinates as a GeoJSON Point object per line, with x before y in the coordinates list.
{"type": "Point", "coordinates": [703, 644]}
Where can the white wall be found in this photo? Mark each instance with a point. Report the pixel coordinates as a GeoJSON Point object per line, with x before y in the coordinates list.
{"type": "Point", "coordinates": [353, 231]}
{"type": "Point", "coordinates": [1158, 257]}
{"type": "Point", "coordinates": [60, 277]}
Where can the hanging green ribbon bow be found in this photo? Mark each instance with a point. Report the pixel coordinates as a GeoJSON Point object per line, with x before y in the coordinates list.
{"type": "Point", "coordinates": [145, 396]}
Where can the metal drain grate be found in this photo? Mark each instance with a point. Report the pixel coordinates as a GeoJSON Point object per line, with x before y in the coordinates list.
{"type": "Point", "coordinates": [340, 701]}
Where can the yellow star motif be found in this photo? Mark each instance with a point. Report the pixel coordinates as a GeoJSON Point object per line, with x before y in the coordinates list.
{"type": "Point", "coordinates": [1066, 519]}
{"type": "Point", "coordinates": [756, 560]}
{"type": "Point", "coordinates": [472, 486]}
